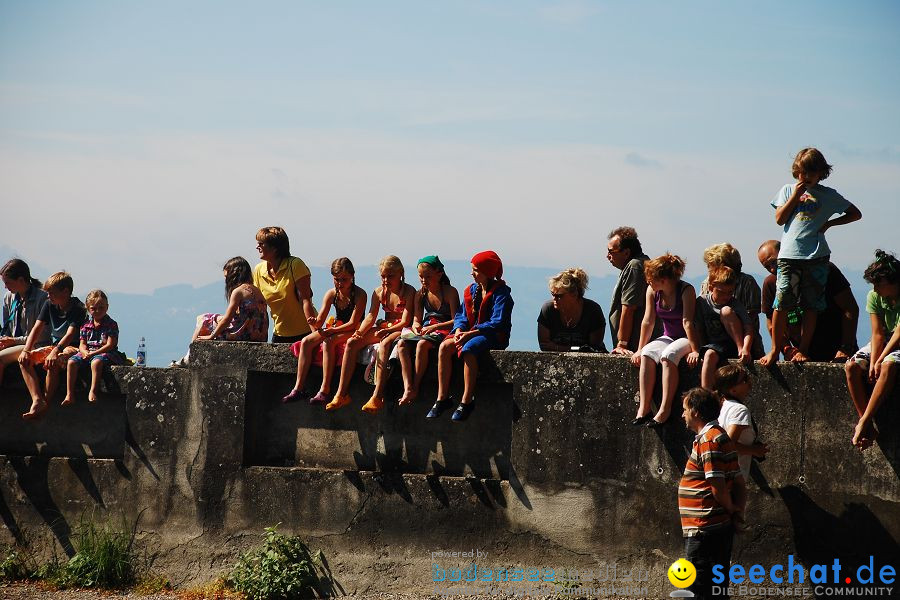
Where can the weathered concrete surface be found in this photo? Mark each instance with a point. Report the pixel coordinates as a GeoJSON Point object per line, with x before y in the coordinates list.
{"type": "Point", "coordinates": [100, 432]}
{"type": "Point", "coordinates": [555, 475]}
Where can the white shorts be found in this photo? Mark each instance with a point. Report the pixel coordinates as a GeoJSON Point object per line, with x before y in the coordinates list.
{"type": "Point", "coordinates": [665, 348]}
{"type": "Point", "coordinates": [864, 355]}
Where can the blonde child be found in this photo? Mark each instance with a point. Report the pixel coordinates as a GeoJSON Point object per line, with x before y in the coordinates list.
{"type": "Point", "coordinates": [349, 301]}
{"type": "Point", "coordinates": [482, 323]}
{"type": "Point", "coordinates": [63, 314]}
{"type": "Point", "coordinates": [435, 304]}
{"type": "Point", "coordinates": [725, 325]}
{"type": "Point", "coordinates": [672, 301]}
{"type": "Point", "coordinates": [99, 340]}
{"type": "Point", "coordinates": [877, 363]}
{"type": "Point", "coordinates": [395, 297]}
{"type": "Point", "coordinates": [245, 318]}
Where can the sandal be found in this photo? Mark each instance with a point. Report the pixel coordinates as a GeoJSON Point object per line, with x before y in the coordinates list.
{"type": "Point", "coordinates": [320, 398]}
{"type": "Point", "coordinates": [374, 404]}
{"type": "Point", "coordinates": [294, 395]}
{"type": "Point", "coordinates": [338, 402]}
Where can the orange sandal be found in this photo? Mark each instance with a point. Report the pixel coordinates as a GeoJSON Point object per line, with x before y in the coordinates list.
{"type": "Point", "coordinates": [374, 404]}
{"type": "Point", "coordinates": [338, 402]}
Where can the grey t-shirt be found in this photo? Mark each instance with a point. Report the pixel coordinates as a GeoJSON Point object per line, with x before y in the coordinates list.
{"type": "Point", "coordinates": [579, 334]}
{"type": "Point", "coordinates": [747, 292]}
{"type": "Point", "coordinates": [709, 318]}
{"type": "Point", "coordinates": [631, 290]}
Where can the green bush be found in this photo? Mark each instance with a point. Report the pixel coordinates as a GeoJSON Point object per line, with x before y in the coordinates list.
{"type": "Point", "coordinates": [14, 564]}
{"type": "Point", "coordinates": [104, 557]}
{"type": "Point", "coordinates": [281, 568]}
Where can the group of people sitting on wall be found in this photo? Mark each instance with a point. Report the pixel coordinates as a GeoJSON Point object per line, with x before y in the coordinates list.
{"type": "Point", "coordinates": [656, 319]}
{"type": "Point", "coordinates": [48, 331]}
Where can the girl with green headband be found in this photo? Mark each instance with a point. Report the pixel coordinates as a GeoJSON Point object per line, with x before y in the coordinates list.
{"type": "Point", "coordinates": [435, 304]}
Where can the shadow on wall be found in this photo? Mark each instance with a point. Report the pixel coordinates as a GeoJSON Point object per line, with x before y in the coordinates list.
{"type": "Point", "coordinates": [888, 421]}
{"type": "Point", "coordinates": [852, 536]}
{"type": "Point", "coordinates": [396, 440]}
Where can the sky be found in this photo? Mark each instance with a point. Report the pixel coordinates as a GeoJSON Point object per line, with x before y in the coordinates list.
{"type": "Point", "coordinates": [142, 144]}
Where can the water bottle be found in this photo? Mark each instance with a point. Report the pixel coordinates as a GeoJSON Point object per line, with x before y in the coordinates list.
{"type": "Point", "coordinates": [141, 356]}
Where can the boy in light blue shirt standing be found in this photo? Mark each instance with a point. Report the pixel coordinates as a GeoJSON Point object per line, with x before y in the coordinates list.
{"type": "Point", "coordinates": [804, 210]}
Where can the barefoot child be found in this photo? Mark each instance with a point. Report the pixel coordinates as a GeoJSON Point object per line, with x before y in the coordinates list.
{"type": "Point", "coordinates": [672, 301]}
{"type": "Point", "coordinates": [64, 315]}
{"type": "Point", "coordinates": [878, 361]}
{"type": "Point", "coordinates": [804, 209]}
{"type": "Point", "coordinates": [396, 298]}
{"type": "Point", "coordinates": [245, 319]}
{"type": "Point", "coordinates": [435, 304]}
{"type": "Point", "coordinates": [98, 346]}
{"type": "Point", "coordinates": [349, 301]}
{"type": "Point", "coordinates": [483, 322]}
{"type": "Point", "coordinates": [733, 384]}
{"type": "Point", "coordinates": [724, 325]}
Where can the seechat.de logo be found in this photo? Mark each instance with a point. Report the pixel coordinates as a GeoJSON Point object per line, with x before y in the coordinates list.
{"type": "Point", "coordinates": [682, 574]}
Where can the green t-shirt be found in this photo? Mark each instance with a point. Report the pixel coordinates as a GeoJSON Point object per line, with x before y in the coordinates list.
{"type": "Point", "coordinates": [887, 312]}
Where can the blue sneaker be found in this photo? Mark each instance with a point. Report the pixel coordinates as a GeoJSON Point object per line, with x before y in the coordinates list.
{"type": "Point", "coordinates": [439, 407]}
{"type": "Point", "coordinates": [462, 412]}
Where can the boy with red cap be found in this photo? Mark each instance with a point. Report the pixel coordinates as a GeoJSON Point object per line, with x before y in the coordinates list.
{"type": "Point", "coordinates": [483, 322]}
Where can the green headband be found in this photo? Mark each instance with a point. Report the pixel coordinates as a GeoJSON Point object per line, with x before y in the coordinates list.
{"type": "Point", "coordinates": [433, 260]}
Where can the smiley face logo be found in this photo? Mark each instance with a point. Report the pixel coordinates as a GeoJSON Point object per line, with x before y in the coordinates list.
{"type": "Point", "coordinates": [682, 573]}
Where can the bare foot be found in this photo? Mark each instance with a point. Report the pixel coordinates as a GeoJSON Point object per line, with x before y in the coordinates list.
{"type": "Point", "coordinates": [864, 435]}
{"type": "Point", "coordinates": [407, 398]}
{"type": "Point", "coordinates": [799, 357]}
{"type": "Point", "coordinates": [37, 410]}
{"type": "Point", "coordinates": [92, 396]}
{"type": "Point", "coordinates": [769, 359]}
{"type": "Point", "coordinates": [67, 401]}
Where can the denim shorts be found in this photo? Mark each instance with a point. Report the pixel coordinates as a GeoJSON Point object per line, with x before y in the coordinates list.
{"type": "Point", "coordinates": [801, 281]}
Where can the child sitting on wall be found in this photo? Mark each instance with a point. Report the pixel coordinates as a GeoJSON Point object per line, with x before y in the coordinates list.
{"type": "Point", "coordinates": [329, 337]}
{"type": "Point", "coordinates": [64, 315]}
{"type": "Point", "coordinates": [99, 340]}
{"type": "Point", "coordinates": [724, 324]}
{"type": "Point", "coordinates": [877, 362]}
{"type": "Point", "coordinates": [482, 323]}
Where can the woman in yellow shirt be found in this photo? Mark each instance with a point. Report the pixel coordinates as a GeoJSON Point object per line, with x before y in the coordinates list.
{"type": "Point", "coordinates": [285, 283]}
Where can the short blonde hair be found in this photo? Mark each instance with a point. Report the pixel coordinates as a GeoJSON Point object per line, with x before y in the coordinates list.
{"type": "Point", "coordinates": [667, 266]}
{"type": "Point", "coordinates": [59, 282]}
{"type": "Point", "coordinates": [722, 276]}
{"type": "Point", "coordinates": [722, 254]}
{"type": "Point", "coordinates": [96, 297]}
{"type": "Point", "coordinates": [573, 280]}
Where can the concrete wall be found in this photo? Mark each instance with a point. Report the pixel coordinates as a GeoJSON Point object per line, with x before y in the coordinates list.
{"type": "Point", "coordinates": [546, 473]}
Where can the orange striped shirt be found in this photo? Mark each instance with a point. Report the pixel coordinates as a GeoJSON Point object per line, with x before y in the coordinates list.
{"type": "Point", "coordinates": [713, 455]}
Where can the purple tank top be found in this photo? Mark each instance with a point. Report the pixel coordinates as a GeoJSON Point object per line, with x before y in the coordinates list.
{"type": "Point", "coordinates": [672, 317]}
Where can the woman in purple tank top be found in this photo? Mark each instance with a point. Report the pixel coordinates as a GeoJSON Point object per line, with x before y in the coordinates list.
{"type": "Point", "coordinates": [672, 300]}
